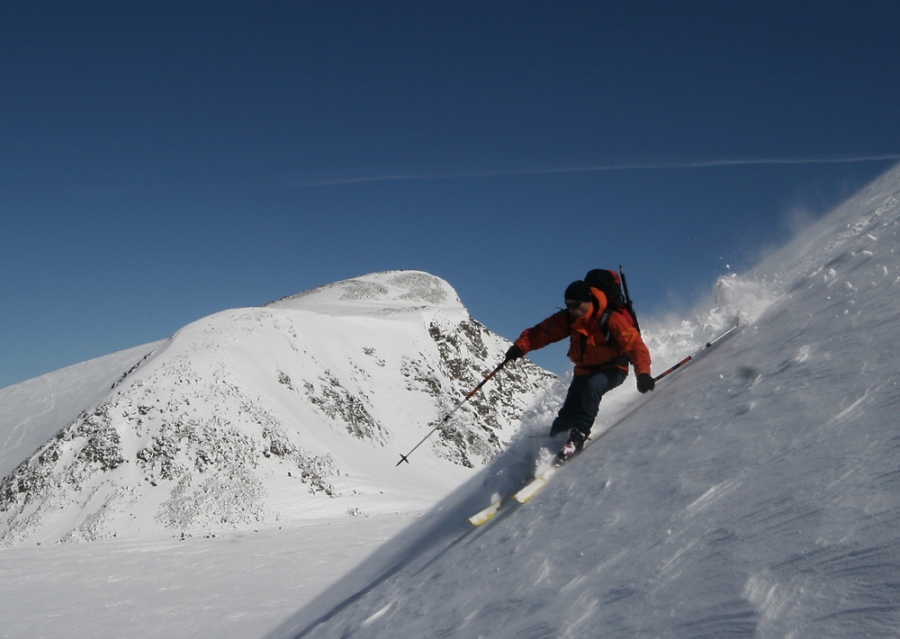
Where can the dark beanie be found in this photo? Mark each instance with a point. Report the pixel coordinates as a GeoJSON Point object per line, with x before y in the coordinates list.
{"type": "Point", "coordinates": [578, 291]}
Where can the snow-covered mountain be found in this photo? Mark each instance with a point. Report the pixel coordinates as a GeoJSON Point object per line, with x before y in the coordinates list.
{"type": "Point", "coordinates": [756, 493]}
{"type": "Point", "coordinates": [259, 416]}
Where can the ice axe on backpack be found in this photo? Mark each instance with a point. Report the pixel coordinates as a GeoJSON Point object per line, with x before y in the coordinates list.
{"type": "Point", "coordinates": [404, 458]}
{"type": "Point", "coordinates": [628, 303]}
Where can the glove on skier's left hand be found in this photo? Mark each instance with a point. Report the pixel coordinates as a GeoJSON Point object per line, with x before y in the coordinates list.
{"type": "Point", "coordinates": [514, 352]}
{"type": "Point", "coordinates": [645, 383]}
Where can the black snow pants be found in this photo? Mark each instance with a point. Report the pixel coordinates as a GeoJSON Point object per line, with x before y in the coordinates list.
{"type": "Point", "coordinates": [583, 399]}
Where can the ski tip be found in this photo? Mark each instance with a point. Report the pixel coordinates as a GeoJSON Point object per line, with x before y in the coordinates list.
{"type": "Point", "coordinates": [403, 458]}
{"type": "Point", "coordinates": [485, 515]}
{"type": "Point", "coordinates": [477, 520]}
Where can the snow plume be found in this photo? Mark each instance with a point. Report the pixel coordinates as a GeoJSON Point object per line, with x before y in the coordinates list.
{"type": "Point", "coordinates": [755, 493]}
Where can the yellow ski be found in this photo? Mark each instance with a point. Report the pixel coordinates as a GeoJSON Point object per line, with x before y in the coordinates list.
{"type": "Point", "coordinates": [532, 487]}
{"type": "Point", "coordinates": [487, 514]}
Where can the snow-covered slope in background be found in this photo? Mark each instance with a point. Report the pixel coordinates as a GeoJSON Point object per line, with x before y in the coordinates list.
{"type": "Point", "coordinates": [262, 416]}
{"type": "Point", "coordinates": [754, 494]}
{"type": "Point", "coordinates": [33, 411]}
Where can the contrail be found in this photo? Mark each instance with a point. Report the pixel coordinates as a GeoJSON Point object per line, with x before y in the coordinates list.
{"type": "Point", "coordinates": [600, 168]}
{"type": "Point", "coordinates": [701, 164]}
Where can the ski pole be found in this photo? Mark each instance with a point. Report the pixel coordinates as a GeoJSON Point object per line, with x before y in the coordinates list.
{"type": "Point", "coordinates": [692, 355]}
{"type": "Point", "coordinates": [403, 458]}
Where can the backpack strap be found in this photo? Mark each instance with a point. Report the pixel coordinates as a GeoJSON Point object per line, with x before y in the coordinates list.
{"type": "Point", "coordinates": [604, 325]}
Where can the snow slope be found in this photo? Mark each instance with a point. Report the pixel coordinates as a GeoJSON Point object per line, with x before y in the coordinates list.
{"type": "Point", "coordinates": [33, 411]}
{"type": "Point", "coordinates": [755, 494]}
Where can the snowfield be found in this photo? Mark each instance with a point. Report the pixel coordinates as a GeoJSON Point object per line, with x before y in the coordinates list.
{"type": "Point", "coordinates": [754, 493]}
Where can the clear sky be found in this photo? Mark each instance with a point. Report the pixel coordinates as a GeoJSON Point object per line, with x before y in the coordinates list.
{"type": "Point", "coordinates": [162, 161]}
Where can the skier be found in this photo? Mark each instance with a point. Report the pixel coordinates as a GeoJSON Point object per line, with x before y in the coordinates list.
{"type": "Point", "coordinates": [601, 346]}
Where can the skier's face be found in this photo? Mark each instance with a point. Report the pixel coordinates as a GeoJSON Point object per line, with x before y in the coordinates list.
{"type": "Point", "coordinates": [577, 309]}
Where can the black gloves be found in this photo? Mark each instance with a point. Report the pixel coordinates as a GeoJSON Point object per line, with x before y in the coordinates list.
{"type": "Point", "coordinates": [645, 383]}
{"type": "Point", "coordinates": [514, 352]}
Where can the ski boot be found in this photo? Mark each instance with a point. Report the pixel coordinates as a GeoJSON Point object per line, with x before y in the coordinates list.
{"type": "Point", "coordinates": [573, 446]}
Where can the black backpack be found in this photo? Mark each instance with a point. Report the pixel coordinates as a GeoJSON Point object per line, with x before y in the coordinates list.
{"type": "Point", "coordinates": [615, 287]}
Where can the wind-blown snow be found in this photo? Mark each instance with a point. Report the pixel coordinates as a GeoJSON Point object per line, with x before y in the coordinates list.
{"type": "Point", "coordinates": [753, 494]}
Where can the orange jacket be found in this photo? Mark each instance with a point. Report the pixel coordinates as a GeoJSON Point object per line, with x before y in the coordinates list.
{"type": "Point", "coordinates": [588, 347]}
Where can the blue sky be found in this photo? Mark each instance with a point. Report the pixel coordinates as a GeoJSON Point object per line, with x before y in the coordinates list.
{"type": "Point", "coordinates": [161, 161]}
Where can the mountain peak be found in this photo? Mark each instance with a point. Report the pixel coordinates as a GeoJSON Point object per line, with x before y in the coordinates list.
{"type": "Point", "coordinates": [377, 293]}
